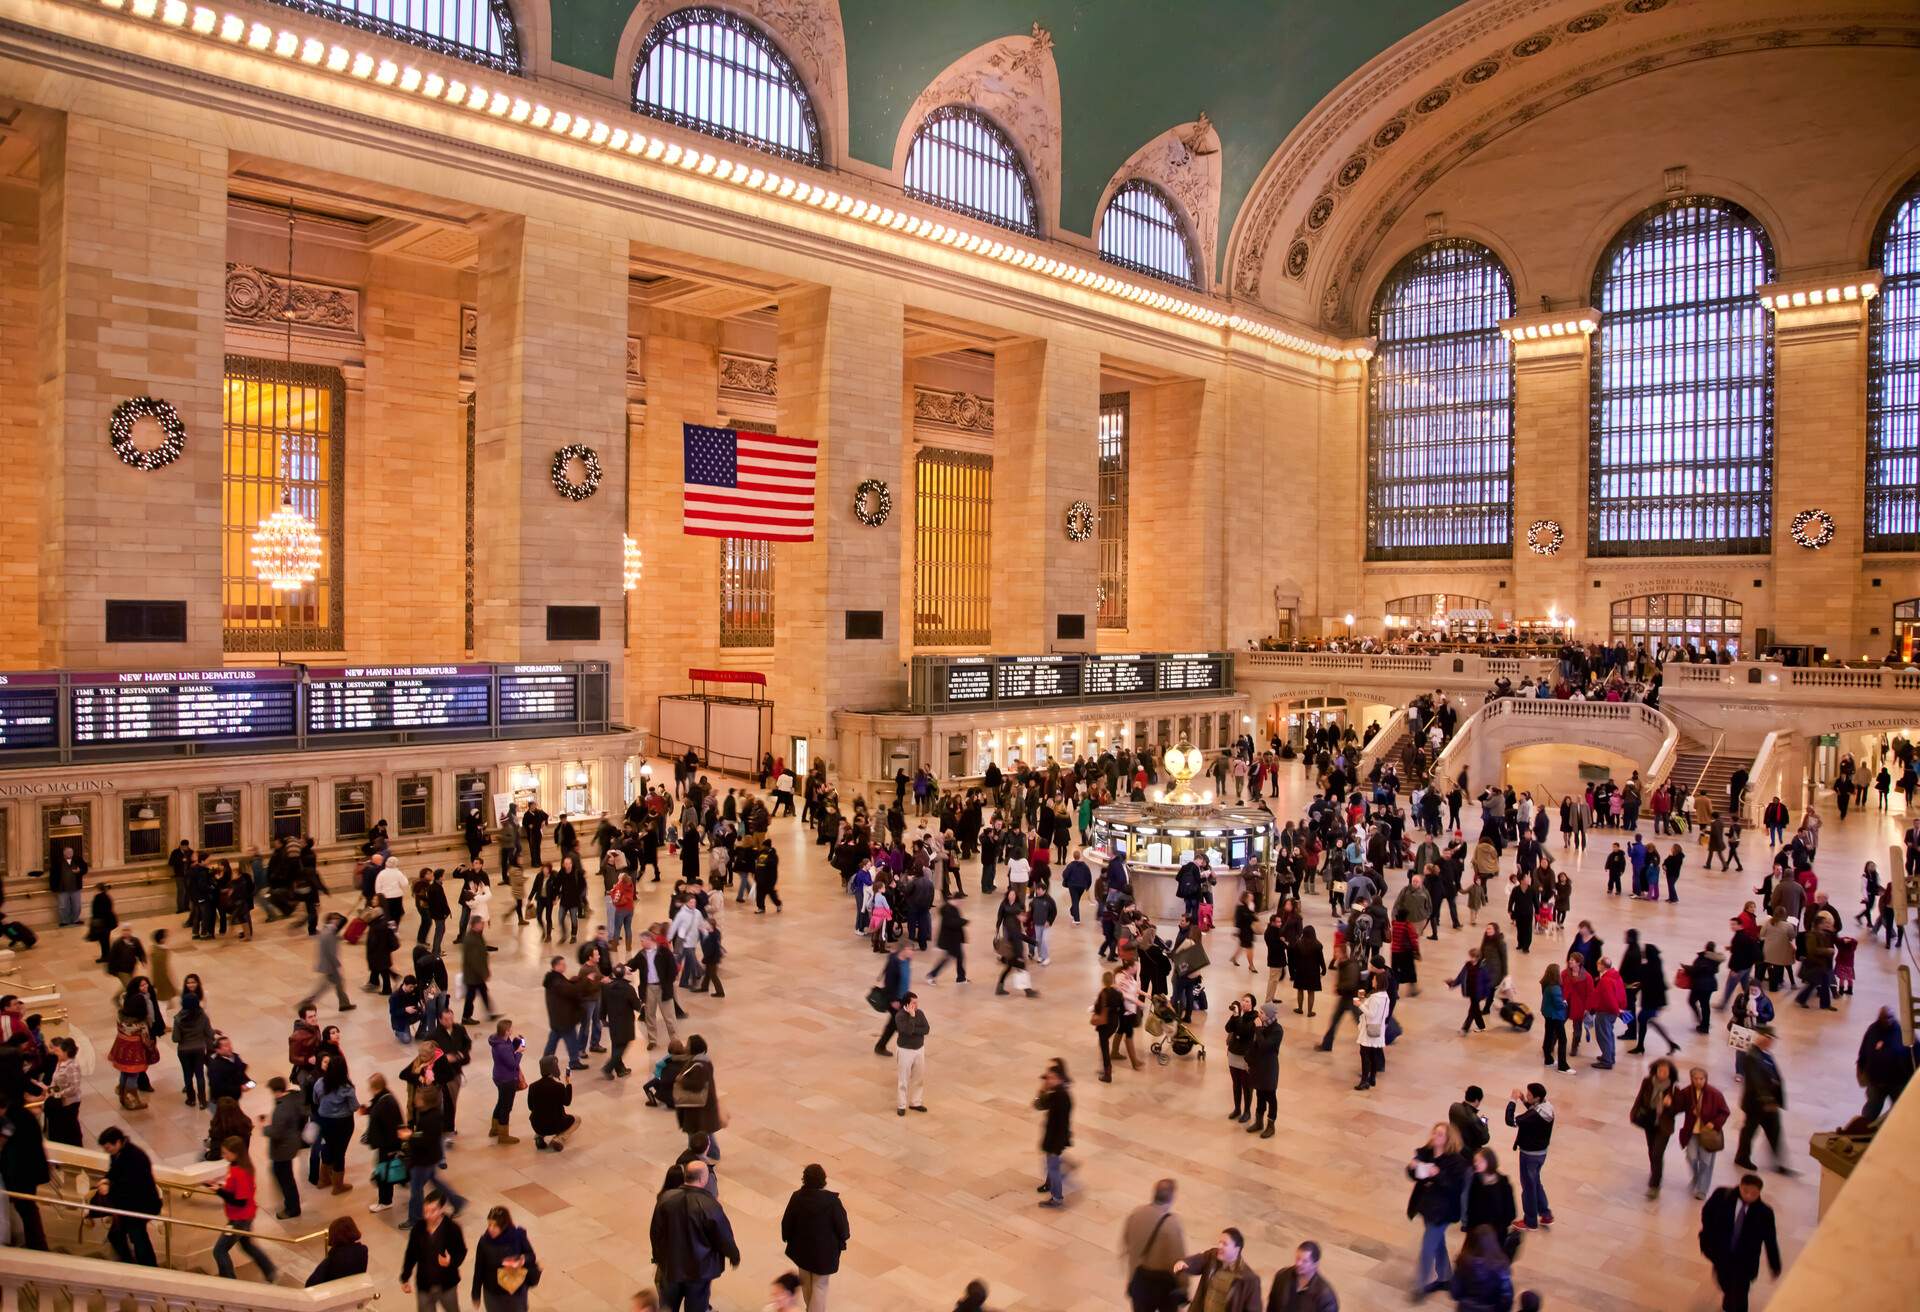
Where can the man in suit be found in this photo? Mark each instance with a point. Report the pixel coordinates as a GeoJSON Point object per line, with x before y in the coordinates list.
{"type": "Point", "coordinates": [1763, 1092]}
{"type": "Point", "coordinates": [1735, 1226]}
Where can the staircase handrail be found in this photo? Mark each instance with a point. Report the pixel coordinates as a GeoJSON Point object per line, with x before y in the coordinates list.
{"type": "Point", "coordinates": [81, 1278]}
{"type": "Point", "coordinates": [1383, 742]}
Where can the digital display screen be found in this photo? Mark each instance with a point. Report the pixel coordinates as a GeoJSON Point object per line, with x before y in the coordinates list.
{"type": "Point", "coordinates": [29, 711]}
{"type": "Point", "coordinates": [1040, 679]}
{"type": "Point", "coordinates": [1066, 677]}
{"type": "Point", "coordinates": [1195, 673]}
{"type": "Point", "coordinates": [183, 706]}
{"type": "Point", "coordinates": [379, 699]}
{"type": "Point", "coordinates": [533, 694]}
{"type": "Point", "coordinates": [970, 683]}
{"type": "Point", "coordinates": [1119, 676]}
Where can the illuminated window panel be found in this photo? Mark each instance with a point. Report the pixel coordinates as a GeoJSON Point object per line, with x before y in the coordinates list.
{"type": "Point", "coordinates": [477, 31]}
{"type": "Point", "coordinates": [714, 72]}
{"type": "Point", "coordinates": [960, 160]}
{"type": "Point", "coordinates": [283, 430]}
{"type": "Point", "coordinates": [1893, 383]}
{"type": "Point", "coordinates": [952, 547]}
{"type": "Point", "coordinates": [1440, 409]}
{"type": "Point", "coordinates": [746, 592]}
{"type": "Point", "coordinates": [1681, 459]}
{"type": "Point", "coordinates": [1111, 517]}
{"type": "Point", "coordinates": [1675, 618]}
{"type": "Point", "coordinates": [1142, 231]}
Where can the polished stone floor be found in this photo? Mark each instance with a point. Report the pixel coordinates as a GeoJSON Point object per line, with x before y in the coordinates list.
{"type": "Point", "coordinates": [940, 1199]}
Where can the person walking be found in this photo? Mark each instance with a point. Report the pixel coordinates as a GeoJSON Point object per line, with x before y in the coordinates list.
{"type": "Point", "coordinates": [1736, 1228]}
{"type": "Point", "coordinates": [284, 1131]}
{"type": "Point", "coordinates": [1533, 1131]}
{"type": "Point", "coordinates": [1301, 1287]}
{"type": "Point", "coordinates": [1763, 1094]}
{"type": "Point", "coordinates": [326, 965]}
{"type": "Point", "coordinates": [1152, 1243]}
{"type": "Point", "coordinates": [815, 1232]}
{"type": "Point", "coordinates": [435, 1250]}
{"type": "Point", "coordinates": [1609, 1000]}
{"type": "Point", "coordinates": [896, 977]}
{"type": "Point", "coordinates": [910, 1029]}
{"type": "Point", "coordinates": [951, 939]}
{"type": "Point", "coordinates": [692, 1241]}
{"type": "Point", "coordinates": [1553, 1015]}
{"type": "Point", "coordinates": [476, 968]}
{"type": "Point", "coordinates": [1704, 1114]}
{"type": "Point", "coordinates": [1056, 1134]}
{"type": "Point", "coordinates": [237, 1194]}
{"type": "Point", "coordinates": [426, 1149]}
{"type": "Point", "coordinates": [1227, 1283]}
{"type": "Point", "coordinates": [1438, 1170]}
{"type": "Point", "coordinates": [128, 1186]}
{"type": "Point", "coordinates": [1654, 1111]}
{"type": "Point", "coordinates": [505, 1266]}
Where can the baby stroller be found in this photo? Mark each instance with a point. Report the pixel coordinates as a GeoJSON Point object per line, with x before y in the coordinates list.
{"type": "Point", "coordinates": [1170, 1032]}
{"type": "Point", "coordinates": [1513, 1011]}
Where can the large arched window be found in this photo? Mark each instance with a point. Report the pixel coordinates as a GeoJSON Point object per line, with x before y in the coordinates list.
{"type": "Point", "coordinates": [961, 161]}
{"type": "Point", "coordinates": [1681, 399]}
{"type": "Point", "coordinates": [714, 72]}
{"type": "Point", "coordinates": [1142, 231]}
{"type": "Point", "coordinates": [1893, 383]}
{"type": "Point", "coordinates": [478, 31]}
{"type": "Point", "coordinates": [1440, 408]}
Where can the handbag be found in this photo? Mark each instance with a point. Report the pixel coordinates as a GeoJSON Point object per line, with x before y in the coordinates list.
{"type": "Point", "coordinates": [878, 998]}
{"type": "Point", "coordinates": [390, 1170]}
{"type": "Point", "coordinates": [1712, 1138]}
{"type": "Point", "coordinates": [310, 1133]}
{"type": "Point", "coordinates": [510, 1278]}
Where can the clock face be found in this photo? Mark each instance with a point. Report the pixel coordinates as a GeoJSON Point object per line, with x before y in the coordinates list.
{"type": "Point", "coordinates": [1194, 761]}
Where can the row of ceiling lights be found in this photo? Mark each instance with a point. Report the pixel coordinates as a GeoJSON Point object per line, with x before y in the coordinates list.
{"type": "Point", "coordinates": [289, 44]}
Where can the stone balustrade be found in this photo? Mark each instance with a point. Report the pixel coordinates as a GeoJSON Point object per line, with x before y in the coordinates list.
{"type": "Point", "coordinates": [54, 1279]}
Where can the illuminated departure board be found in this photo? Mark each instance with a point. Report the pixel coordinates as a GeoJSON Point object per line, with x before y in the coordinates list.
{"type": "Point", "coordinates": [385, 698]}
{"type": "Point", "coordinates": [182, 706]}
{"type": "Point", "coordinates": [1037, 679]}
{"type": "Point", "coordinates": [1016, 681]}
{"type": "Point", "coordinates": [970, 683]}
{"type": "Point", "coordinates": [1119, 676]}
{"type": "Point", "coordinates": [1191, 672]}
{"type": "Point", "coordinates": [535, 694]}
{"type": "Point", "coordinates": [29, 711]}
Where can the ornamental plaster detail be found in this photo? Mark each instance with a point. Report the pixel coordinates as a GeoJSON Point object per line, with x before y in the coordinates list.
{"type": "Point", "coordinates": [1184, 162]}
{"type": "Point", "coordinates": [963, 412]}
{"type": "Point", "coordinates": [1012, 81]}
{"type": "Point", "coordinates": [256, 297]}
{"type": "Point", "coordinates": [749, 375]}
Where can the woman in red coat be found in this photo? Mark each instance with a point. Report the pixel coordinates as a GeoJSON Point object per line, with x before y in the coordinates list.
{"type": "Point", "coordinates": [1703, 1113]}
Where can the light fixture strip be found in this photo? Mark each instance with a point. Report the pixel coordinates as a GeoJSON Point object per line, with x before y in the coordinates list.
{"type": "Point", "coordinates": [456, 92]}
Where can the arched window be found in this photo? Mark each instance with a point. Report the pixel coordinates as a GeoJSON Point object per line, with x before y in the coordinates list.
{"type": "Point", "coordinates": [1675, 619]}
{"type": "Point", "coordinates": [1681, 399]}
{"type": "Point", "coordinates": [478, 31]}
{"type": "Point", "coordinates": [714, 72]}
{"type": "Point", "coordinates": [1440, 408]}
{"type": "Point", "coordinates": [1142, 232]}
{"type": "Point", "coordinates": [961, 161]}
{"type": "Point", "coordinates": [1893, 383]}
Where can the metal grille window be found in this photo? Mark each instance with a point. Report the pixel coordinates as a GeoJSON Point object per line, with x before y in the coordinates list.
{"type": "Point", "coordinates": [471, 408]}
{"type": "Point", "coordinates": [1142, 232]}
{"type": "Point", "coordinates": [746, 592]}
{"type": "Point", "coordinates": [1111, 526]}
{"type": "Point", "coordinates": [952, 547]}
{"type": "Point", "coordinates": [1440, 409]}
{"type": "Point", "coordinates": [478, 31]}
{"type": "Point", "coordinates": [1893, 384]}
{"type": "Point", "coordinates": [1452, 611]}
{"type": "Point", "coordinates": [1677, 618]}
{"type": "Point", "coordinates": [1681, 446]}
{"type": "Point", "coordinates": [960, 160]}
{"type": "Point", "coordinates": [282, 432]}
{"type": "Point", "coordinates": [714, 72]}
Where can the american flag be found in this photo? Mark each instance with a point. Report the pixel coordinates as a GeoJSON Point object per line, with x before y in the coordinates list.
{"type": "Point", "coordinates": [748, 485]}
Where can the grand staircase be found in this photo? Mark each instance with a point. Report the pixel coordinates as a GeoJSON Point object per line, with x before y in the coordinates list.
{"type": "Point", "coordinates": [1697, 767]}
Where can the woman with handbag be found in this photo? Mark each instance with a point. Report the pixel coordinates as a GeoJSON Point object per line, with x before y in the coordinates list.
{"type": "Point", "coordinates": [1703, 1113]}
{"type": "Point", "coordinates": [1108, 1010]}
{"type": "Point", "coordinates": [504, 1265]}
{"type": "Point", "coordinates": [1373, 1032]}
{"type": "Point", "coordinates": [134, 1048]}
{"type": "Point", "coordinates": [1653, 1111]}
{"type": "Point", "coordinates": [384, 1119]}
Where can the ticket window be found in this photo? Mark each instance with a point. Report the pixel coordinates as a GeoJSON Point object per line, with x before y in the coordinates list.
{"type": "Point", "coordinates": [957, 756]}
{"type": "Point", "coordinates": [1186, 731]}
{"type": "Point", "coordinates": [1164, 738]}
{"type": "Point", "coordinates": [352, 810]}
{"type": "Point", "coordinates": [219, 821]}
{"type": "Point", "coordinates": [67, 825]}
{"type": "Point", "coordinates": [1139, 734]}
{"type": "Point", "coordinates": [470, 793]}
{"type": "Point", "coordinates": [1206, 732]}
{"type": "Point", "coordinates": [286, 813]}
{"type": "Point", "coordinates": [577, 797]}
{"type": "Point", "coordinates": [416, 804]}
{"type": "Point", "coordinates": [1226, 730]}
{"type": "Point", "coordinates": [144, 830]}
{"type": "Point", "coordinates": [526, 788]}
{"type": "Point", "coordinates": [800, 757]}
{"type": "Point", "coordinates": [629, 783]}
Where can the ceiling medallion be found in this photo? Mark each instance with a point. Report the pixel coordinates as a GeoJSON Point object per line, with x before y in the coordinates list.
{"type": "Point", "coordinates": [1480, 72]}
{"type": "Point", "coordinates": [1587, 23]}
{"type": "Point", "coordinates": [1532, 46]}
{"type": "Point", "coordinates": [1433, 100]}
{"type": "Point", "coordinates": [1544, 537]}
{"type": "Point", "coordinates": [1322, 211]}
{"type": "Point", "coordinates": [1350, 171]}
{"type": "Point", "coordinates": [1812, 529]}
{"type": "Point", "coordinates": [1389, 133]}
{"type": "Point", "coordinates": [1297, 258]}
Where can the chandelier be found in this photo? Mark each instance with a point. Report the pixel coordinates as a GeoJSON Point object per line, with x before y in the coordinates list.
{"type": "Point", "coordinates": [286, 549]}
{"type": "Point", "coordinates": [630, 562]}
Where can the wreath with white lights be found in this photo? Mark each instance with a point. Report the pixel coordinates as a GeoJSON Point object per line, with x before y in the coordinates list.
{"type": "Point", "coordinates": [1079, 522]}
{"type": "Point", "coordinates": [1812, 529]}
{"type": "Point", "coordinates": [872, 502]}
{"type": "Point", "coordinates": [1544, 537]}
{"type": "Point", "coordinates": [589, 466]}
{"type": "Point", "coordinates": [173, 433]}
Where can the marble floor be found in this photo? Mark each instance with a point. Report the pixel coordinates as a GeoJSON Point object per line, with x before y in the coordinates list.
{"type": "Point", "coordinates": [940, 1199]}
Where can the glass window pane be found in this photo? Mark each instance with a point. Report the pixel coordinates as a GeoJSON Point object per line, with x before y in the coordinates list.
{"type": "Point", "coordinates": [1893, 384]}
{"type": "Point", "coordinates": [478, 31]}
{"type": "Point", "coordinates": [1141, 231]}
{"type": "Point", "coordinates": [714, 72]}
{"type": "Point", "coordinates": [961, 161]}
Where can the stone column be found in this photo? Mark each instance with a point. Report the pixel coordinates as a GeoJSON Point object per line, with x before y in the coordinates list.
{"type": "Point", "coordinates": [840, 355]}
{"type": "Point", "coordinates": [1342, 493]}
{"type": "Point", "coordinates": [1549, 472]}
{"type": "Point", "coordinates": [1819, 463]}
{"type": "Point", "coordinates": [551, 372]}
{"type": "Point", "coordinates": [133, 236]}
{"type": "Point", "coordinates": [1174, 565]}
{"type": "Point", "coordinates": [22, 452]}
{"type": "Point", "coordinates": [1046, 455]}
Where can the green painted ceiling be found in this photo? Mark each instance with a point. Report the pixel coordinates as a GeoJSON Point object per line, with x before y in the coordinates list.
{"type": "Point", "coordinates": [1129, 70]}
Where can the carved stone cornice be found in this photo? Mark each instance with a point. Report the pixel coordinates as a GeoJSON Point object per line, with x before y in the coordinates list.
{"type": "Point", "coordinates": [256, 297]}
{"type": "Point", "coordinates": [960, 412]}
{"type": "Point", "coordinates": [749, 376]}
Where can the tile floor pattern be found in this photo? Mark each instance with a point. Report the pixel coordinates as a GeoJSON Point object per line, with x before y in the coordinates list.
{"type": "Point", "coordinates": [940, 1199]}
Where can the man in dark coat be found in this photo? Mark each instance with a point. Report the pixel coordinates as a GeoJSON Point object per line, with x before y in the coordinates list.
{"type": "Point", "coordinates": [23, 1164]}
{"type": "Point", "coordinates": [128, 1187]}
{"type": "Point", "coordinates": [815, 1232]}
{"type": "Point", "coordinates": [692, 1239]}
{"type": "Point", "coordinates": [619, 1006]}
{"type": "Point", "coordinates": [1735, 1228]}
{"type": "Point", "coordinates": [1056, 1134]}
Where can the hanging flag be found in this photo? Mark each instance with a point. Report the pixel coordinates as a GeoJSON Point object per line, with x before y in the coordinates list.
{"type": "Point", "coordinates": [743, 484]}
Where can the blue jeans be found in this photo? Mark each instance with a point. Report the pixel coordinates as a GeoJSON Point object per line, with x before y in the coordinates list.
{"type": "Point", "coordinates": [1434, 1266]}
{"type": "Point", "coordinates": [570, 1037]}
{"type": "Point", "coordinates": [590, 1027]}
{"type": "Point", "coordinates": [685, 1295]}
{"type": "Point", "coordinates": [1605, 1035]}
{"type": "Point", "coordinates": [1533, 1194]}
{"type": "Point", "coordinates": [620, 927]}
{"type": "Point", "coordinates": [418, 1178]}
{"type": "Point", "coordinates": [69, 907]}
{"type": "Point", "coordinates": [223, 1247]}
{"type": "Point", "coordinates": [1056, 1178]}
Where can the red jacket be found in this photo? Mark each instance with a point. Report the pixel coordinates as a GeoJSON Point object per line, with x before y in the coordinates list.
{"type": "Point", "coordinates": [1579, 990]}
{"type": "Point", "coordinates": [1609, 994]}
{"type": "Point", "coordinates": [1404, 938]}
{"type": "Point", "coordinates": [1712, 1110]}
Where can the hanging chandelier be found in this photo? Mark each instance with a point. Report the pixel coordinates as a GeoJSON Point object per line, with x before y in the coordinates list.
{"type": "Point", "coordinates": [630, 562]}
{"type": "Point", "coordinates": [286, 549]}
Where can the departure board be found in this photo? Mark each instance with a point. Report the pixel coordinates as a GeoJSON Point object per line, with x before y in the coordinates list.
{"type": "Point", "coordinates": [1191, 672]}
{"type": "Point", "coordinates": [29, 711]}
{"type": "Point", "coordinates": [183, 706]}
{"type": "Point", "coordinates": [970, 683]}
{"type": "Point", "coordinates": [1086, 677]}
{"type": "Point", "coordinates": [1037, 678]}
{"type": "Point", "coordinates": [535, 694]}
{"type": "Point", "coordinates": [385, 698]}
{"type": "Point", "coordinates": [1119, 676]}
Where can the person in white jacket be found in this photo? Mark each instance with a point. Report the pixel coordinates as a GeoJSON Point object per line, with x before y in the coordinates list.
{"type": "Point", "coordinates": [1373, 1031]}
{"type": "Point", "coordinates": [390, 886]}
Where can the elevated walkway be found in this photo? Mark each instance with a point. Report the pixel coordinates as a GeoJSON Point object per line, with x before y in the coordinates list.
{"type": "Point", "coordinates": [1640, 734]}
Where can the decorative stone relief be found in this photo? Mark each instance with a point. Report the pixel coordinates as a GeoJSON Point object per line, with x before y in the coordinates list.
{"type": "Point", "coordinates": [1184, 162]}
{"type": "Point", "coordinates": [962, 411]}
{"type": "Point", "coordinates": [750, 375]}
{"type": "Point", "coordinates": [1012, 81]}
{"type": "Point", "coordinates": [469, 330]}
{"type": "Point", "coordinates": [255, 297]}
